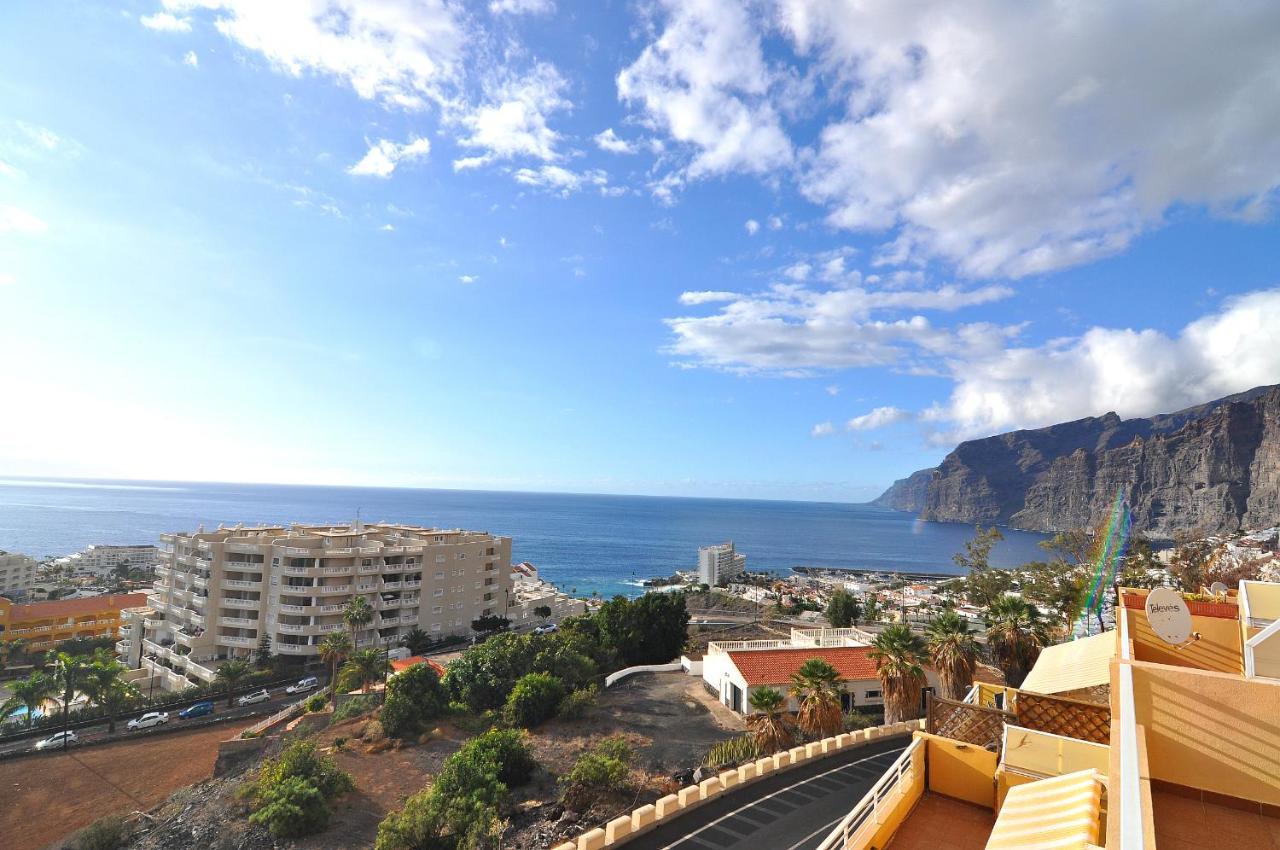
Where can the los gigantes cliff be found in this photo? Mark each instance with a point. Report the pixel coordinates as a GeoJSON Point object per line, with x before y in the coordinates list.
{"type": "Point", "coordinates": [1212, 468]}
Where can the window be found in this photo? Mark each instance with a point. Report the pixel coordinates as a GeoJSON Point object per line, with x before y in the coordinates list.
{"type": "Point", "coordinates": [462, 556]}
{"type": "Point", "coordinates": [874, 695]}
{"type": "Point", "coordinates": [435, 627]}
{"type": "Point", "coordinates": [439, 575]}
{"type": "Point", "coordinates": [366, 562]}
{"type": "Point", "coordinates": [439, 592]}
{"type": "Point", "coordinates": [436, 609]}
{"type": "Point", "coordinates": [439, 559]}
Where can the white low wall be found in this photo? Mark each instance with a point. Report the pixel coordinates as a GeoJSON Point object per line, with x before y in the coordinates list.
{"type": "Point", "coordinates": [614, 678]}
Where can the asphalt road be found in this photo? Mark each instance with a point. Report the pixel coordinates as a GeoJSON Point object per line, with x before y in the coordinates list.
{"type": "Point", "coordinates": [794, 810]}
{"type": "Point", "coordinates": [98, 732]}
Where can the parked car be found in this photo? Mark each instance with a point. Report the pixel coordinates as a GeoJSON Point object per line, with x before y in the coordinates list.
{"type": "Point", "coordinates": [546, 629]}
{"type": "Point", "coordinates": [199, 709]}
{"type": "Point", "coordinates": [310, 683]}
{"type": "Point", "coordinates": [151, 718]}
{"type": "Point", "coordinates": [54, 741]}
{"type": "Point", "coordinates": [257, 696]}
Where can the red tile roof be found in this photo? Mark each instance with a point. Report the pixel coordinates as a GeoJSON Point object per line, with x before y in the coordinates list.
{"type": "Point", "coordinates": [76, 607]}
{"type": "Point", "coordinates": [401, 664]}
{"type": "Point", "coordinates": [775, 666]}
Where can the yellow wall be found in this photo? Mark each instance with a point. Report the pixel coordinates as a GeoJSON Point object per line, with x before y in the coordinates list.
{"type": "Point", "coordinates": [1051, 755]}
{"type": "Point", "coordinates": [1210, 731]}
{"type": "Point", "coordinates": [902, 810]}
{"type": "Point", "coordinates": [960, 770]}
{"type": "Point", "coordinates": [1219, 647]}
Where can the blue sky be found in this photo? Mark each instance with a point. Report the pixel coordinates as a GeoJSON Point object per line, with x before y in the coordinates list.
{"type": "Point", "coordinates": [773, 249]}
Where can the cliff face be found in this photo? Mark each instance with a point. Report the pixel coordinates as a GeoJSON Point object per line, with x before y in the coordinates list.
{"type": "Point", "coordinates": [1211, 468]}
{"type": "Point", "coordinates": [907, 494]}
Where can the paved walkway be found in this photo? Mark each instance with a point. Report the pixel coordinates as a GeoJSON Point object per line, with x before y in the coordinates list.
{"type": "Point", "coordinates": [793, 810]}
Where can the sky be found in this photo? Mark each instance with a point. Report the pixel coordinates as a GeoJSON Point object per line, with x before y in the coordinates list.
{"type": "Point", "coordinates": [785, 249]}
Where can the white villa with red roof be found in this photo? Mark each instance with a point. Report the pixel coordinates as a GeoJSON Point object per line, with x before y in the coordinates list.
{"type": "Point", "coordinates": [734, 669]}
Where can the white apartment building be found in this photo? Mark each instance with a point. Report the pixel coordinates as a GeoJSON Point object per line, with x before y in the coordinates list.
{"type": "Point", "coordinates": [17, 575]}
{"type": "Point", "coordinates": [103, 560]}
{"type": "Point", "coordinates": [218, 592]}
{"type": "Point", "coordinates": [530, 592]}
{"type": "Point", "coordinates": [720, 564]}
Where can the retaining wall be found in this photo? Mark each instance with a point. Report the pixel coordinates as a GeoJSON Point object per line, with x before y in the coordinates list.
{"type": "Point", "coordinates": [613, 678]}
{"type": "Point", "coordinates": [622, 829]}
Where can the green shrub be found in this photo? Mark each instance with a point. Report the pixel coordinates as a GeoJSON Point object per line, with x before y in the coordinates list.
{"type": "Point", "coordinates": [317, 702]}
{"type": "Point", "coordinates": [354, 707]}
{"type": "Point", "coordinates": [576, 704]}
{"type": "Point", "coordinates": [533, 700]}
{"type": "Point", "coordinates": [304, 761]}
{"type": "Point", "coordinates": [733, 751]}
{"type": "Point", "coordinates": [292, 807]}
{"type": "Point", "coordinates": [855, 720]}
{"type": "Point", "coordinates": [109, 833]}
{"type": "Point", "coordinates": [414, 698]}
{"type": "Point", "coordinates": [603, 769]}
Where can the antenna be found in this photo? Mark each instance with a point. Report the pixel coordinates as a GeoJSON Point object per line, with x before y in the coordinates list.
{"type": "Point", "coordinates": [1218, 589]}
{"type": "Point", "coordinates": [1169, 616]}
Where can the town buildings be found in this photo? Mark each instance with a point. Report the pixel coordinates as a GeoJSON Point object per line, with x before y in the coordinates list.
{"type": "Point", "coordinates": [17, 575]}
{"type": "Point", "coordinates": [103, 560]}
{"type": "Point", "coordinates": [720, 564]}
{"type": "Point", "coordinates": [43, 625]}
{"type": "Point", "coordinates": [219, 593]}
{"type": "Point", "coordinates": [529, 592]}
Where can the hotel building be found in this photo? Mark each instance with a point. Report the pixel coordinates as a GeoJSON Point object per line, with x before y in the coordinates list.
{"type": "Point", "coordinates": [720, 564]}
{"type": "Point", "coordinates": [217, 593]}
{"type": "Point", "coordinates": [17, 575]}
{"type": "Point", "coordinates": [44, 625]}
{"type": "Point", "coordinates": [102, 560]}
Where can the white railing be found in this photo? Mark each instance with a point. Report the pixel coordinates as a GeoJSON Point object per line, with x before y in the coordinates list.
{"type": "Point", "coordinates": [331, 588]}
{"type": "Point", "coordinates": [851, 636]}
{"type": "Point", "coordinates": [735, 645]}
{"type": "Point", "coordinates": [860, 825]}
{"type": "Point", "coordinates": [973, 696]}
{"type": "Point", "coordinates": [1130, 811]}
{"type": "Point", "coordinates": [237, 582]}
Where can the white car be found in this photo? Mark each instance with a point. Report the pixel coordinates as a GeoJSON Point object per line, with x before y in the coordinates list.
{"type": "Point", "coordinates": [546, 630]}
{"type": "Point", "coordinates": [151, 718]}
{"type": "Point", "coordinates": [54, 741]}
{"type": "Point", "coordinates": [257, 696]}
{"type": "Point", "coordinates": [310, 683]}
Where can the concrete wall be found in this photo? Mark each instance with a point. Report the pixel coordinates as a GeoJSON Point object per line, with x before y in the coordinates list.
{"type": "Point", "coordinates": [911, 793]}
{"type": "Point", "coordinates": [1210, 731]}
{"type": "Point", "coordinates": [613, 678]}
{"type": "Point", "coordinates": [1219, 647]}
{"type": "Point", "coordinates": [963, 771]}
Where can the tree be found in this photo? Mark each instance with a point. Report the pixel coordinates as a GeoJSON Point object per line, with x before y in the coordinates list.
{"type": "Point", "coordinates": [70, 673]}
{"type": "Point", "coordinates": [416, 641]}
{"type": "Point", "coordinates": [357, 615]}
{"type": "Point", "coordinates": [843, 609]}
{"type": "Point", "coordinates": [953, 652]}
{"type": "Point", "coordinates": [899, 655]}
{"type": "Point", "coordinates": [543, 611]}
{"type": "Point", "coordinates": [489, 624]}
{"type": "Point", "coordinates": [983, 582]}
{"type": "Point", "coordinates": [262, 655]}
{"type": "Point", "coordinates": [231, 673]}
{"type": "Point", "coordinates": [816, 688]}
{"type": "Point", "coordinates": [1059, 587]}
{"type": "Point", "coordinates": [769, 727]}
{"type": "Point", "coordinates": [366, 666]}
{"type": "Point", "coordinates": [871, 609]}
{"type": "Point", "coordinates": [107, 690]}
{"type": "Point", "coordinates": [414, 697]}
{"type": "Point", "coordinates": [1071, 546]}
{"type": "Point", "coordinates": [533, 700]}
{"type": "Point", "coordinates": [649, 630]}
{"type": "Point", "coordinates": [1191, 559]}
{"type": "Point", "coordinates": [1015, 635]}
{"type": "Point", "coordinates": [29, 693]}
{"type": "Point", "coordinates": [334, 649]}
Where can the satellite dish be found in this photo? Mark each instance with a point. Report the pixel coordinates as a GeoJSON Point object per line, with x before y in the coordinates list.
{"type": "Point", "coordinates": [1168, 615]}
{"type": "Point", "coordinates": [1218, 589]}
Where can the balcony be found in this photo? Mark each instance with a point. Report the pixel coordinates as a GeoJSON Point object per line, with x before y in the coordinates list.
{"type": "Point", "coordinates": [162, 571]}
{"type": "Point", "coordinates": [296, 649]}
{"type": "Point", "coordinates": [337, 571]}
{"type": "Point", "coordinates": [325, 628]}
{"type": "Point", "coordinates": [200, 581]}
{"type": "Point", "coordinates": [330, 589]}
{"type": "Point", "coordinates": [366, 588]}
{"type": "Point", "coordinates": [237, 641]}
{"type": "Point", "coordinates": [237, 622]}
{"type": "Point", "coordinates": [194, 618]}
{"type": "Point", "coordinates": [290, 628]}
{"type": "Point", "coordinates": [122, 647]}
{"type": "Point", "coordinates": [241, 584]}
{"type": "Point", "coordinates": [152, 622]}
{"type": "Point", "coordinates": [232, 602]}
{"type": "Point", "coordinates": [392, 585]}
{"type": "Point", "coordinates": [370, 570]}
{"type": "Point", "coordinates": [331, 609]}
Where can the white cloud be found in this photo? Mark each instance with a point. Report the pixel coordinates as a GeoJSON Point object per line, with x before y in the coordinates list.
{"type": "Point", "coordinates": [1004, 138]}
{"type": "Point", "coordinates": [384, 155]}
{"type": "Point", "coordinates": [822, 429]}
{"type": "Point", "coordinates": [832, 389]}
{"type": "Point", "coordinates": [705, 82]}
{"type": "Point", "coordinates": [42, 137]}
{"type": "Point", "coordinates": [1131, 372]}
{"type": "Point", "coordinates": [775, 223]}
{"type": "Point", "coordinates": [513, 120]}
{"type": "Point", "coordinates": [467, 278]}
{"type": "Point", "coordinates": [607, 140]}
{"type": "Point", "coordinates": [17, 220]}
{"type": "Point", "coordinates": [522, 7]}
{"type": "Point", "coordinates": [562, 181]}
{"type": "Point", "coordinates": [404, 53]}
{"type": "Point", "coordinates": [752, 226]}
{"type": "Point", "coordinates": [191, 59]}
{"type": "Point", "coordinates": [706, 297]}
{"type": "Point", "coordinates": [880, 417]}
{"type": "Point", "coordinates": [165, 22]}
{"type": "Point", "coordinates": [388, 227]}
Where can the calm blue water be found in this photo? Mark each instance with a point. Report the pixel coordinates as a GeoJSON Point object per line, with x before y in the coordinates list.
{"type": "Point", "coordinates": [591, 543]}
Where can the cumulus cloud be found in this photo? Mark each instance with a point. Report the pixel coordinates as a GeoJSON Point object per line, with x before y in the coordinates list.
{"type": "Point", "coordinates": [190, 59]}
{"type": "Point", "coordinates": [17, 220]}
{"type": "Point", "coordinates": [165, 22]}
{"type": "Point", "coordinates": [513, 121]}
{"type": "Point", "coordinates": [751, 226]}
{"type": "Point", "coordinates": [775, 223]}
{"type": "Point", "coordinates": [384, 155]}
{"type": "Point", "coordinates": [562, 181]}
{"type": "Point", "coordinates": [706, 297]}
{"type": "Point", "coordinates": [1131, 372]}
{"type": "Point", "coordinates": [467, 278]}
{"type": "Point", "coordinates": [822, 429]}
{"type": "Point", "coordinates": [1004, 138]}
{"type": "Point", "coordinates": [522, 7]}
{"type": "Point", "coordinates": [607, 140]}
{"type": "Point", "coordinates": [878, 418]}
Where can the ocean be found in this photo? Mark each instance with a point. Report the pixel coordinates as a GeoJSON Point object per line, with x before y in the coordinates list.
{"type": "Point", "coordinates": [582, 543]}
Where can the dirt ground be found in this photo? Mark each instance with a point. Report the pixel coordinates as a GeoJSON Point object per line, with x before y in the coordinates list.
{"type": "Point", "coordinates": [48, 797]}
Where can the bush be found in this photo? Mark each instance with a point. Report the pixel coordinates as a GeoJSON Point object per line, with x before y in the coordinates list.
{"type": "Point", "coordinates": [414, 698]}
{"type": "Point", "coordinates": [603, 769]}
{"type": "Point", "coordinates": [291, 808]}
{"type": "Point", "coordinates": [576, 704]}
{"type": "Point", "coordinates": [304, 761]}
{"type": "Point", "coordinates": [734, 751]}
{"type": "Point", "coordinates": [109, 833]}
{"type": "Point", "coordinates": [485, 675]}
{"type": "Point", "coordinates": [855, 720]}
{"type": "Point", "coordinates": [317, 702]}
{"type": "Point", "coordinates": [354, 707]}
{"type": "Point", "coordinates": [533, 700]}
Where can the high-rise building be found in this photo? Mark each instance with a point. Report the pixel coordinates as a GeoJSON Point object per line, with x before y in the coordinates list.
{"type": "Point", "coordinates": [720, 564]}
{"type": "Point", "coordinates": [17, 575]}
{"type": "Point", "coordinates": [102, 560]}
{"type": "Point", "coordinates": [217, 593]}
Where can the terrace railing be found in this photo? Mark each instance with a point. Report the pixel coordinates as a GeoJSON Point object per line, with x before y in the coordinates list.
{"type": "Point", "coordinates": [962, 721]}
{"type": "Point", "coordinates": [893, 790]}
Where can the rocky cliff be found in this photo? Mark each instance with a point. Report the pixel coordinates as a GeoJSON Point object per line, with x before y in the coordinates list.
{"type": "Point", "coordinates": [907, 494]}
{"type": "Point", "coordinates": [1211, 468]}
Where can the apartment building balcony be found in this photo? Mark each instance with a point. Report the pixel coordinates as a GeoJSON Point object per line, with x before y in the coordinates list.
{"type": "Point", "coordinates": [243, 548]}
{"type": "Point", "coordinates": [242, 584]}
{"type": "Point", "coordinates": [412, 584]}
{"type": "Point", "coordinates": [326, 628]}
{"type": "Point", "coordinates": [163, 571]}
{"type": "Point", "coordinates": [200, 582]}
{"type": "Point", "coordinates": [299, 551]}
{"type": "Point", "coordinates": [372, 569]}
{"type": "Point", "coordinates": [188, 639]}
{"type": "Point", "coordinates": [201, 671]}
{"type": "Point", "coordinates": [232, 602]}
{"type": "Point", "coordinates": [296, 649]}
{"type": "Point", "coordinates": [230, 640]}
{"type": "Point", "coordinates": [330, 609]}
{"type": "Point", "coordinates": [366, 588]}
{"type": "Point", "coordinates": [195, 618]}
{"type": "Point", "coordinates": [392, 585]}
{"type": "Point", "coordinates": [238, 622]}
{"type": "Point", "coordinates": [122, 646]}
{"type": "Point", "coordinates": [331, 589]}
{"type": "Point", "coordinates": [309, 572]}
{"type": "Point", "coordinates": [348, 569]}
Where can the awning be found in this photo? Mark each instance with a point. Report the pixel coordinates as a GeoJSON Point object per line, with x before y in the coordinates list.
{"type": "Point", "coordinates": [1051, 814]}
{"type": "Point", "coordinates": [1083, 663]}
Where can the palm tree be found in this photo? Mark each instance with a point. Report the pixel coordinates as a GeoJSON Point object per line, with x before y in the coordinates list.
{"type": "Point", "coordinates": [29, 693]}
{"type": "Point", "coordinates": [899, 655]}
{"type": "Point", "coordinates": [358, 614]}
{"type": "Point", "coordinates": [1015, 635]}
{"type": "Point", "coordinates": [70, 672]}
{"type": "Point", "coordinates": [953, 652]}
{"type": "Point", "coordinates": [116, 696]}
{"type": "Point", "coordinates": [816, 687]}
{"type": "Point", "coordinates": [366, 665]}
{"type": "Point", "coordinates": [231, 673]}
{"type": "Point", "coordinates": [417, 641]}
{"type": "Point", "coordinates": [769, 727]}
{"type": "Point", "coordinates": [335, 647]}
